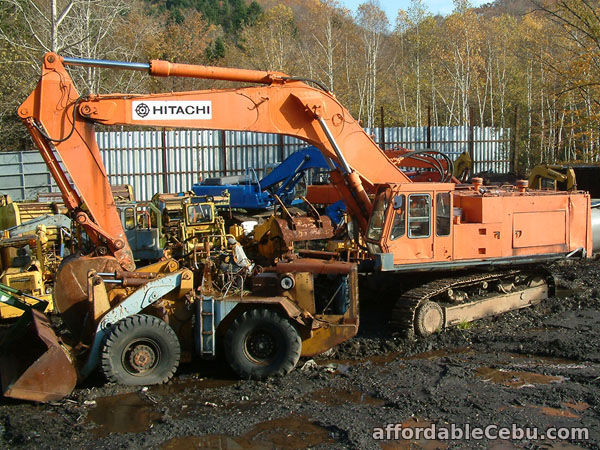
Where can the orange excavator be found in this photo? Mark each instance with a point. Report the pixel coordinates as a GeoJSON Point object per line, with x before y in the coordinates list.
{"type": "Point", "coordinates": [478, 248]}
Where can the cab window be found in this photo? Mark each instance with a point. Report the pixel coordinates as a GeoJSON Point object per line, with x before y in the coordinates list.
{"type": "Point", "coordinates": [419, 211]}
{"type": "Point", "coordinates": [199, 213]}
{"type": "Point", "coordinates": [377, 219]}
{"type": "Point", "coordinates": [443, 214]}
{"type": "Point", "coordinates": [143, 218]}
{"type": "Point", "coordinates": [129, 218]}
{"type": "Point", "coordinates": [399, 223]}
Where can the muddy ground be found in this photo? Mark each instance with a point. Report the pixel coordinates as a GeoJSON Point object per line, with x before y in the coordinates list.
{"type": "Point", "coordinates": [537, 367]}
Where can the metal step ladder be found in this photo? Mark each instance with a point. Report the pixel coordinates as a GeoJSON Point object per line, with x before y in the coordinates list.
{"type": "Point", "coordinates": [205, 338]}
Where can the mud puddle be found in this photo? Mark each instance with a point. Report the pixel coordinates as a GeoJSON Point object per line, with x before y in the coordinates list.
{"type": "Point", "coordinates": [518, 361]}
{"type": "Point", "coordinates": [294, 431]}
{"type": "Point", "coordinates": [190, 385]}
{"type": "Point", "coordinates": [564, 292]}
{"type": "Point", "coordinates": [515, 379]}
{"type": "Point", "coordinates": [564, 412]}
{"type": "Point", "coordinates": [124, 413]}
{"type": "Point", "coordinates": [577, 406]}
{"type": "Point", "coordinates": [136, 412]}
{"type": "Point", "coordinates": [343, 365]}
{"type": "Point", "coordinates": [441, 353]}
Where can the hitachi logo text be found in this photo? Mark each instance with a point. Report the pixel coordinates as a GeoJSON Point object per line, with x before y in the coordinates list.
{"type": "Point", "coordinates": [189, 109]}
{"type": "Point", "coordinates": [171, 110]}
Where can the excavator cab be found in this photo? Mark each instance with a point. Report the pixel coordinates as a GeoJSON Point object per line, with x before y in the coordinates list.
{"type": "Point", "coordinates": [412, 223]}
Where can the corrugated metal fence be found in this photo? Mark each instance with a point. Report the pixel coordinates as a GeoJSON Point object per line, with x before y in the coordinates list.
{"type": "Point", "coordinates": [171, 161]}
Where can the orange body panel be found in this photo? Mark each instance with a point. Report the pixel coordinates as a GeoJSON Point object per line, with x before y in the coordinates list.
{"type": "Point", "coordinates": [528, 223]}
{"type": "Point", "coordinates": [497, 224]}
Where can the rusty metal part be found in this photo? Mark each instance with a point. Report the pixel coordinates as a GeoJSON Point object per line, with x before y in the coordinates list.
{"type": "Point", "coordinates": [141, 358]}
{"type": "Point", "coordinates": [321, 332]}
{"type": "Point", "coordinates": [289, 307]}
{"type": "Point", "coordinates": [321, 254]}
{"type": "Point", "coordinates": [333, 330]}
{"type": "Point", "coordinates": [130, 279]}
{"type": "Point", "coordinates": [97, 295]}
{"type": "Point", "coordinates": [34, 363]}
{"type": "Point", "coordinates": [407, 310]}
{"type": "Point", "coordinates": [326, 337]}
{"type": "Point", "coordinates": [121, 274]}
{"type": "Point", "coordinates": [71, 289]}
{"type": "Point", "coordinates": [304, 229]}
{"type": "Point", "coordinates": [277, 235]}
{"type": "Point", "coordinates": [315, 266]}
{"type": "Point", "coordinates": [468, 312]}
{"type": "Point", "coordinates": [165, 266]}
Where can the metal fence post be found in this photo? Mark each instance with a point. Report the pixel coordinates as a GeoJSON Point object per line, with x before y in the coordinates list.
{"type": "Point", "coordinates": [515, 153]}
{"type": "Point", "coordinates": [280, 147]}
{"type": "Point", "coordinates": [223, 146]}
{"type": "Point", "coordinates": [165, 161]}
{"type": "Point", "coordinates": [471, 137]}
{"type": "Point", "coordinates": [382, 138]}
{"type": "Point", "coordinates": [429, 126]}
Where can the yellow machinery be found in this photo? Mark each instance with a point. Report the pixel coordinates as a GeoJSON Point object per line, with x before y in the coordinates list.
{"type": "Point", "coordinates": [462, 167]}
{"type": "Point", "coordinates": [32, 276]}
{"type": "Point", "coordinates": [32, 246]}
{"type": "Point", "coordinates": [567, 177]}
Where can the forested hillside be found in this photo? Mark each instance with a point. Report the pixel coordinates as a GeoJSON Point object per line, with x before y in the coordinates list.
{"type": "Point", "coordinates": [534, 64]}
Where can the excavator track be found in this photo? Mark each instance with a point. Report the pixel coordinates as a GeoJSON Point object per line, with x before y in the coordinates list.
{"type": "Point", "coordinates": [418, 310]}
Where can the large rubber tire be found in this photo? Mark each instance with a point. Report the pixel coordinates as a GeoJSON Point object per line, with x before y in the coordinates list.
{"type": "Point", "coordinates": [140, 350]}
{"type": "Point", "coordinates": [261, 343]}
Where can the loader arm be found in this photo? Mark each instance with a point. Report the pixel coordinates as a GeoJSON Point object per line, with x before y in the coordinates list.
{"type": "Point", "coordinates": [58, 119]}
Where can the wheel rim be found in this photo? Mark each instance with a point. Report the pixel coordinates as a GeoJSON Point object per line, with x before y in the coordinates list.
{"type": "Point", "coordinates": [140, 356]}
{"type": "Point", "coordinates": [260, 346]}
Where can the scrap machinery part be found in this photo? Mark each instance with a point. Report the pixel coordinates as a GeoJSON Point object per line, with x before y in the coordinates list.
{"type": "Point", "coordinates": [451, 301]}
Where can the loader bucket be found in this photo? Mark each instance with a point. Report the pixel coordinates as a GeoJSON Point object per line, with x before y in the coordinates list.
{"type": "Point", "coordinates": [33, 363]}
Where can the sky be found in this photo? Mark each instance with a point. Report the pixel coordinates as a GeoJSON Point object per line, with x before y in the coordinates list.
{"type": "Point", "coordinates": [391, 7]}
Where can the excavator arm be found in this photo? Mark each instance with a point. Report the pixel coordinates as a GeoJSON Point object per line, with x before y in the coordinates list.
{"type": "Point", "coordinates": [62, 123]}
{"type": "Point", "coordinates": [50, 115]}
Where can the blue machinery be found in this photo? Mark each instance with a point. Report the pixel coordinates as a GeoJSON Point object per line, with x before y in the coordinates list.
{"type": "Point", "coordinates": [248, 192]}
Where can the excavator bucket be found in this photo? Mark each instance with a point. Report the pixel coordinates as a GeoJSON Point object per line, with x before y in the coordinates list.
{"type": "Point", "coordinates": [34, 365]}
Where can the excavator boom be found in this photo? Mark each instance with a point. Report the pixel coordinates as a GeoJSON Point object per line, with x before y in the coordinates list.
{"type": "Point", "coordinates": [60, 120]}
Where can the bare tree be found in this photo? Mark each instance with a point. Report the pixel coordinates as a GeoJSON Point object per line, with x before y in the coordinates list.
{"type": "Point", "coordinates": [374, 24]}
{"type": "Point", "coordinates": [68, 27]}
